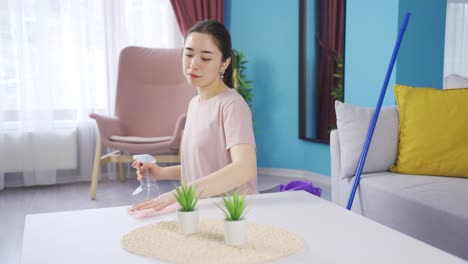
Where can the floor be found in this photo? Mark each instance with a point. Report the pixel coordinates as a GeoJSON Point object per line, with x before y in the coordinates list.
{"type": "Point", "coordinates": [16, 203]}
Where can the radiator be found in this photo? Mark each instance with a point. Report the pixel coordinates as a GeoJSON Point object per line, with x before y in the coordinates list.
{"type": "Point", "coordinates": [51, 150]}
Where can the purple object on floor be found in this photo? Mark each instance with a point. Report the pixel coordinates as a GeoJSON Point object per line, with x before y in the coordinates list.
{"type": "Point", "coordinates": [301, 185]}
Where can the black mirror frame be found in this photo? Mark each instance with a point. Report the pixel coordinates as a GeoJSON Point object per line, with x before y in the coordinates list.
{"type": "Point", "coordinates": [303, 72]}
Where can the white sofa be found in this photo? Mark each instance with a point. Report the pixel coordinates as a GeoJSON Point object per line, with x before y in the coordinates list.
{"type": "Point", "coordinates": [431, 209]}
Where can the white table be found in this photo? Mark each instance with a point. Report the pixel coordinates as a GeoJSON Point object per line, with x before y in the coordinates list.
{"type": "Point", "coordinates": [331, 233]}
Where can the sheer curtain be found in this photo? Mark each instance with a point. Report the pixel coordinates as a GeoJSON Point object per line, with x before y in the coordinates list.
{"type": "Point", "coordinates": [59, 63]}
{"type": "Point", "coordinates": [456, 38]}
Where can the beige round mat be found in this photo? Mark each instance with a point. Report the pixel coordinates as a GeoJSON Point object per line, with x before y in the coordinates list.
{"type": "Point", "coordinates": [164, 241]}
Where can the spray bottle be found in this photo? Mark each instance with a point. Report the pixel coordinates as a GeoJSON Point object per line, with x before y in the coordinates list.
{"type": "Point", "coordinates": [148, 188]}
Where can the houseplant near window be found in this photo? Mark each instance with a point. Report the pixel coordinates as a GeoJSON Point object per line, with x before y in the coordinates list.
{"type": "Point", "coordinates": [234, 222]}
{"type": "Point", "coordinates": [188, 214]}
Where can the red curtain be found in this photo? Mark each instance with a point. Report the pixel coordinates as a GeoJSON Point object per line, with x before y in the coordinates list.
{"type": "Point", "coordinates": [330, 36]}
{"type": "Point", "coordinates": [188, 12]}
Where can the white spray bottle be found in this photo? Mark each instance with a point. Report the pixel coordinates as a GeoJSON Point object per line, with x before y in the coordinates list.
{"type": "Point", "coordinates": [148, 188]}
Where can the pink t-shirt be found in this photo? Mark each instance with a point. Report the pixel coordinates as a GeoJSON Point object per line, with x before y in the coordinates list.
{"type": "Point", "coordinates": [211, 129]}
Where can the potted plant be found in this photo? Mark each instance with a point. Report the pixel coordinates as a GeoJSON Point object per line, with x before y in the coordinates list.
{"type": "Point", "coordinates": [337, 91]}
{"type": "Point", "coordinates": [243, 86]}
{"type": "Point", "coordinates": [188, 214]}
{"type": "Point", "coordinates": [234, 222]}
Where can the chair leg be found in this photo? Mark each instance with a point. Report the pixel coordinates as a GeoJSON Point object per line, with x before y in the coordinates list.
{"type": "Point", "coordinates": [121, 172]}
{"type": "Point", "coordinates": [96, 168]}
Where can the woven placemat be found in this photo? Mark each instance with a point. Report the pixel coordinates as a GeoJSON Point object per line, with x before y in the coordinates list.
{"type": "Point", "coordinates": [163, 241]}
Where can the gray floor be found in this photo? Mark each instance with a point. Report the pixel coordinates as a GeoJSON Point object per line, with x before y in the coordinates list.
{"type": "Point", "coordinates": [16, 203]}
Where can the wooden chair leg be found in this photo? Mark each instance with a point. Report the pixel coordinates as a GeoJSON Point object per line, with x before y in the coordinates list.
{"type": "Point", "coordinates": [96, 168]}
{"type": "Point", "coordinates": [121, 172]}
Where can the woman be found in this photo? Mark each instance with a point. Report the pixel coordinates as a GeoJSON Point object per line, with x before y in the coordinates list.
{"type": "Point", "coordinates": [218, 145]}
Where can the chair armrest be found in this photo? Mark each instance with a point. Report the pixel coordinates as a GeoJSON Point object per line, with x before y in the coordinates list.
{"type": "Point", "coordinates": [108, 126]}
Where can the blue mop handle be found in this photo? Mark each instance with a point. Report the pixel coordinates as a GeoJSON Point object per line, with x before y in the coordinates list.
{"type": "Point", "coordinates": [370, 132]}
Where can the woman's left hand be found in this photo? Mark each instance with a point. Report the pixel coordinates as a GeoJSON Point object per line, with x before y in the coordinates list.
{"type": "Point", "coordinates": [162, 201]}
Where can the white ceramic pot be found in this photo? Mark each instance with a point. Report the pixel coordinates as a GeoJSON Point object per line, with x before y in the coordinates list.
{"type": "Point", "coordinates": [235, 232]}
{"type": "Point", "coordinates": [188, 221]}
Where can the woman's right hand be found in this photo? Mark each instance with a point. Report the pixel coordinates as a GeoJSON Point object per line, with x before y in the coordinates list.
{"type": "Point", "coordinates": [152, 169]}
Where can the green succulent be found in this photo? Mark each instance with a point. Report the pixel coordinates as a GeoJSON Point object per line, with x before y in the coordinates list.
{"type": "Point", "coordinates": [187, 197]}
{"type": "Point", "coordinates": [234, 207]}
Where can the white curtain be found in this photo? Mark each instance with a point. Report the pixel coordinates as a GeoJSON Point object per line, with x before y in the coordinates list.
{"type": "Point", "coordinates": [456, 38]}
{"type": "Point", "coordinates": [58, 64]}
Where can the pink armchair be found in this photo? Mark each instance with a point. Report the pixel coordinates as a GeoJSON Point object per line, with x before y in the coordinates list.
{"type": "Point", "coordinates": [151, 103]}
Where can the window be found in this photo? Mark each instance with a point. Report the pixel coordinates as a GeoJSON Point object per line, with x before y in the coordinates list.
{"type": "Point", "coordinates": [456, 38]}
{"type": "Point", "coordinates": [61, 56]}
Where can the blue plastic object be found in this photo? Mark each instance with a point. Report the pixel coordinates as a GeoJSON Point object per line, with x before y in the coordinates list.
{"type": "Point", "coordinates": [301, 185]}
{"type": "Point", "coordinates": [370, 132]}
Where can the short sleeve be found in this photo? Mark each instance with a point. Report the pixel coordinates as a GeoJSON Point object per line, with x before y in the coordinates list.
{"type": "Point", "coordinates": [237, 124]}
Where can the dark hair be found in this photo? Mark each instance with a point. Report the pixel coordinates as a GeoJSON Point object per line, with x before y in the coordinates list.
{"type": "Point", "coordinates": [222, 40]}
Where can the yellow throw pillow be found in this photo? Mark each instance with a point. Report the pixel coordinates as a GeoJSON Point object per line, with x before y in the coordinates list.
{"type": "Point", "coordinates": [432, 132]}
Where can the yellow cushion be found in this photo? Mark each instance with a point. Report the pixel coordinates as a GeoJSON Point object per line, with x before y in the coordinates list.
{"type": "Point", "coordinates": [432, 132]}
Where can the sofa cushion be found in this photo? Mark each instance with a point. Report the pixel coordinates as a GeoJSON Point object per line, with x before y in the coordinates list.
{"type": "Point", "coordinates": [430, 209]}
{"type": "Point", "coordinates": [432, 132]}
{"type": "Point", "coordinates": [454, 81]}
{"type": "Point", "coordinates": [353, 123]}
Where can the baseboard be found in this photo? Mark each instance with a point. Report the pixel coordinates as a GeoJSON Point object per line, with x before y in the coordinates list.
{"type": "Point", "coordinates": [319, 179]}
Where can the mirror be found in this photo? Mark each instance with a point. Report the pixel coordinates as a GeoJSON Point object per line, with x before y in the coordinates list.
{"type": "Point", "coordinates": [321, 66]}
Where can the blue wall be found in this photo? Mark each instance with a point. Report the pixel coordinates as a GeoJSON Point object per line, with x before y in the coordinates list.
{"type": "Point", "coordinates": [371, 31]}
{"type": "Point", "coordinates": [370, 37]}
{"type": "Point", "coordinates": [421, 57]}
{"type": "Point", "coordinates": [267, 32]}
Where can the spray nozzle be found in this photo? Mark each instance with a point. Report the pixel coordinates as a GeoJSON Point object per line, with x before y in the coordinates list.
{"type": "Point", "coordinates": [144, 158]}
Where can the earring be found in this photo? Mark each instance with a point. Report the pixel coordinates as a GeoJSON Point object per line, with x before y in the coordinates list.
{"type": "Point", "coordinates": [222, 74]}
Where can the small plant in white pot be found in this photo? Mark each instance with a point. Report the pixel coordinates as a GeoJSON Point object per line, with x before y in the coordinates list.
{"type": "Point", "coordinates": [234, 222]}
{"type": "Point", "coordinates": [188, 214]}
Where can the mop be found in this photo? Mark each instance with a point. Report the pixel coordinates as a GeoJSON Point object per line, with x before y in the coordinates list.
{"type": "Point", "coordinates": [370, 132]}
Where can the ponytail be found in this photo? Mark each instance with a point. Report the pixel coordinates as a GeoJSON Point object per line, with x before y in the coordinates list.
{"type": "Point", "coordinates": [228, 78]}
